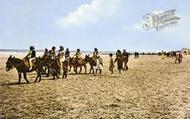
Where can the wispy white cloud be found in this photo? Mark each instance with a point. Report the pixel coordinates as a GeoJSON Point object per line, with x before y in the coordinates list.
{"type": "Point", "coordinates": [89, 13]}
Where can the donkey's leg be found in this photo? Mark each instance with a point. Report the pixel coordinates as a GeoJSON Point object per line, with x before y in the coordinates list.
{"type": "Point", "coordinates": [53, 75]}
{"type": "Point", "coordinates": [57, 76]}
{"type": "Point", "coordinates": [48, 71]}
{"type": "Point", "coordinates": [45, 71]}
{"type": "Point", "coordinates": [175, 60]}
{"type": "Point", "coordinates": [70, 68]}
{"type": "Point", "coordinates": [85, 69]}
{"type": "Point", "coordinates": [90, 70]}
{"type": "Point", "coordinates": [127, 67]}
{"type": "Point", "coordinates": [38, 76]}
{"type": "Point", "coordinates": [57, 73]}
{"type": "Point", "coordinates": [75, 69]}
{"type": "Point", "coordinates": [25, 77]}
{"type": "Point", "coordinates": [124, 68]}
{"type": "Point", "coordinates": [63, 75]}
{"type": "Point", "coordinates": [100, 71]}
{"type": "Point", "coordinates": [80, 70]}
{"type": "Point", "coordinates": [19, 77]}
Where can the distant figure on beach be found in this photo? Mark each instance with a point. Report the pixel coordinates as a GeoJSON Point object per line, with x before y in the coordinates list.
{"type": "Point", "coordinates": [179, 57]}
{"type": "Point", "coordinates": [111, 66]}
{"type": "Point", "coordinates": [31, 56]}
{"type": "Point", "coordinates": [163, 55]}
{"type": "Point", "coordinates": [52, 52]}
{"type": "Point", "coordinates": [67, 54]}
{"type": "Point", "coordinates": [136, 55]}
{"type": "Point", "coordinates": [95, 53]}
{"type": "Point", "coordinates": [61, 53]}
{"type": "Point", "coordinates": [125, 58]}
{"type": "Point", "coordinates": [60, 56]}
{"type": "Point", "coordinates": [119, 60]}
{"type": "Point", "coordinates": [78, 54]}
{"type": "Point", "coordinates": [46, 53]}
{"type": "Point", "coordinates": [77, 61]}
{"type": "Point", "coordinates": [65, 66]}
{"type": "Point", "coordinates": [125, 53]}
{"type": "Point", "coordinates": [99, 65]}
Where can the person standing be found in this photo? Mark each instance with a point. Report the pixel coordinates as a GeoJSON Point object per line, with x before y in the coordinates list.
{"type": "Point", "coordinates": [65, 66]}
{"type": "Point", "coordinates": [111, 67]}
{"type": "Point", "coordinates": [119, 60]}
{"type": "Point", "coordinates": [99, 64]}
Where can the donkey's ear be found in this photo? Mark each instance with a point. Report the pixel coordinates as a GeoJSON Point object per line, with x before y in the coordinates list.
{"type": "Point", "coordinates": [10, 57]}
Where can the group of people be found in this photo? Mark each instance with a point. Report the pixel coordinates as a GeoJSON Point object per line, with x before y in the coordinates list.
{"type": "Point", "coordinates": [53, 54]}
{"type": "Point", "coordinates": [119, 59]}
{"type": "Point", "coordinates": [65, 55]}
{"type": "Point", "coordinates": [175, 54]}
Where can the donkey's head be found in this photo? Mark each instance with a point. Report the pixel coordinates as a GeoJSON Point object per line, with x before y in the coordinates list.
{"type": "Point", "coordinates": [87, 58]}
{"type": "Point", "coordinates": [10, 63]}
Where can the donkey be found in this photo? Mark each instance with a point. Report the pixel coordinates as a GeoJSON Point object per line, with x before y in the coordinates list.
{"type": "Point", "coordinates": [55, 67]}
{"type": "Point", "coordinates": [75, 63]}
{"type": "Point", "coordinates": [22, 67]}
{"type": "Point", "coordinates": [92, 63]}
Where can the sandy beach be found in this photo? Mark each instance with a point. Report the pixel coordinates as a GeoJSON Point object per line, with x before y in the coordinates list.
{"type": "Point", "coordinates": [151, 89]}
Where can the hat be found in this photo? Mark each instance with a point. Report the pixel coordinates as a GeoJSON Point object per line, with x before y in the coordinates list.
{"type": "Point", "coordinates": [61, 48]}
{"type": "Point", "coordinates": [32, 48]}
{"type": "Point", "coordinates": [54, 47]}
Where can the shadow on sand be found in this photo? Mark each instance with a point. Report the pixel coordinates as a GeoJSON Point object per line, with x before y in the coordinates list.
{"type": "Point", "coordinates": [16, 83]}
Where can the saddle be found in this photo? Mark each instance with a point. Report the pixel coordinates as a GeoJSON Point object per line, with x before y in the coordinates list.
{"type": "Point", "coordinates": [26, 61]}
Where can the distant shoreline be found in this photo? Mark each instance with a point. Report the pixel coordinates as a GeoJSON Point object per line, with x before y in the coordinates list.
{"type": "Point", "coordinates": [40, 52]}
{"type": "Point", "coordinates": [13, 51]}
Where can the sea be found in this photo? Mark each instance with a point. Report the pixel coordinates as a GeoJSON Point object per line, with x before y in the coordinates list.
{"type": "Point", "coordinates": [40, 52]}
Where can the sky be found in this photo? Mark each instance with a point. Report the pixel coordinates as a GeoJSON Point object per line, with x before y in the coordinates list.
{"type": "Point", "coordinates": [106, 24]}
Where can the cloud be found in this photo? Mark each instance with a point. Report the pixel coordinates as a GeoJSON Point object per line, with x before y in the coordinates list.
{"type": "Point", "coordinates": [89, 13]}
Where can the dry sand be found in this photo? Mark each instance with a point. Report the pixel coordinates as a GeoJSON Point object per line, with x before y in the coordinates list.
{"type": "Point", "coordinates": [152, 88]}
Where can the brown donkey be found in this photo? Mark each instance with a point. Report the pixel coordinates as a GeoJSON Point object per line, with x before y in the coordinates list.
{"type": "Point", "coordinates": [75, 63]}
{"type": "Point", "coordinates": [92, 63]}
{"type": "Point", "coordinates": [22, 67]}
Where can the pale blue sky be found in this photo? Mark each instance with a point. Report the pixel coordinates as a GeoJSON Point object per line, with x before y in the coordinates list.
{"type": "Point", "coordinates": [85, 24]}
